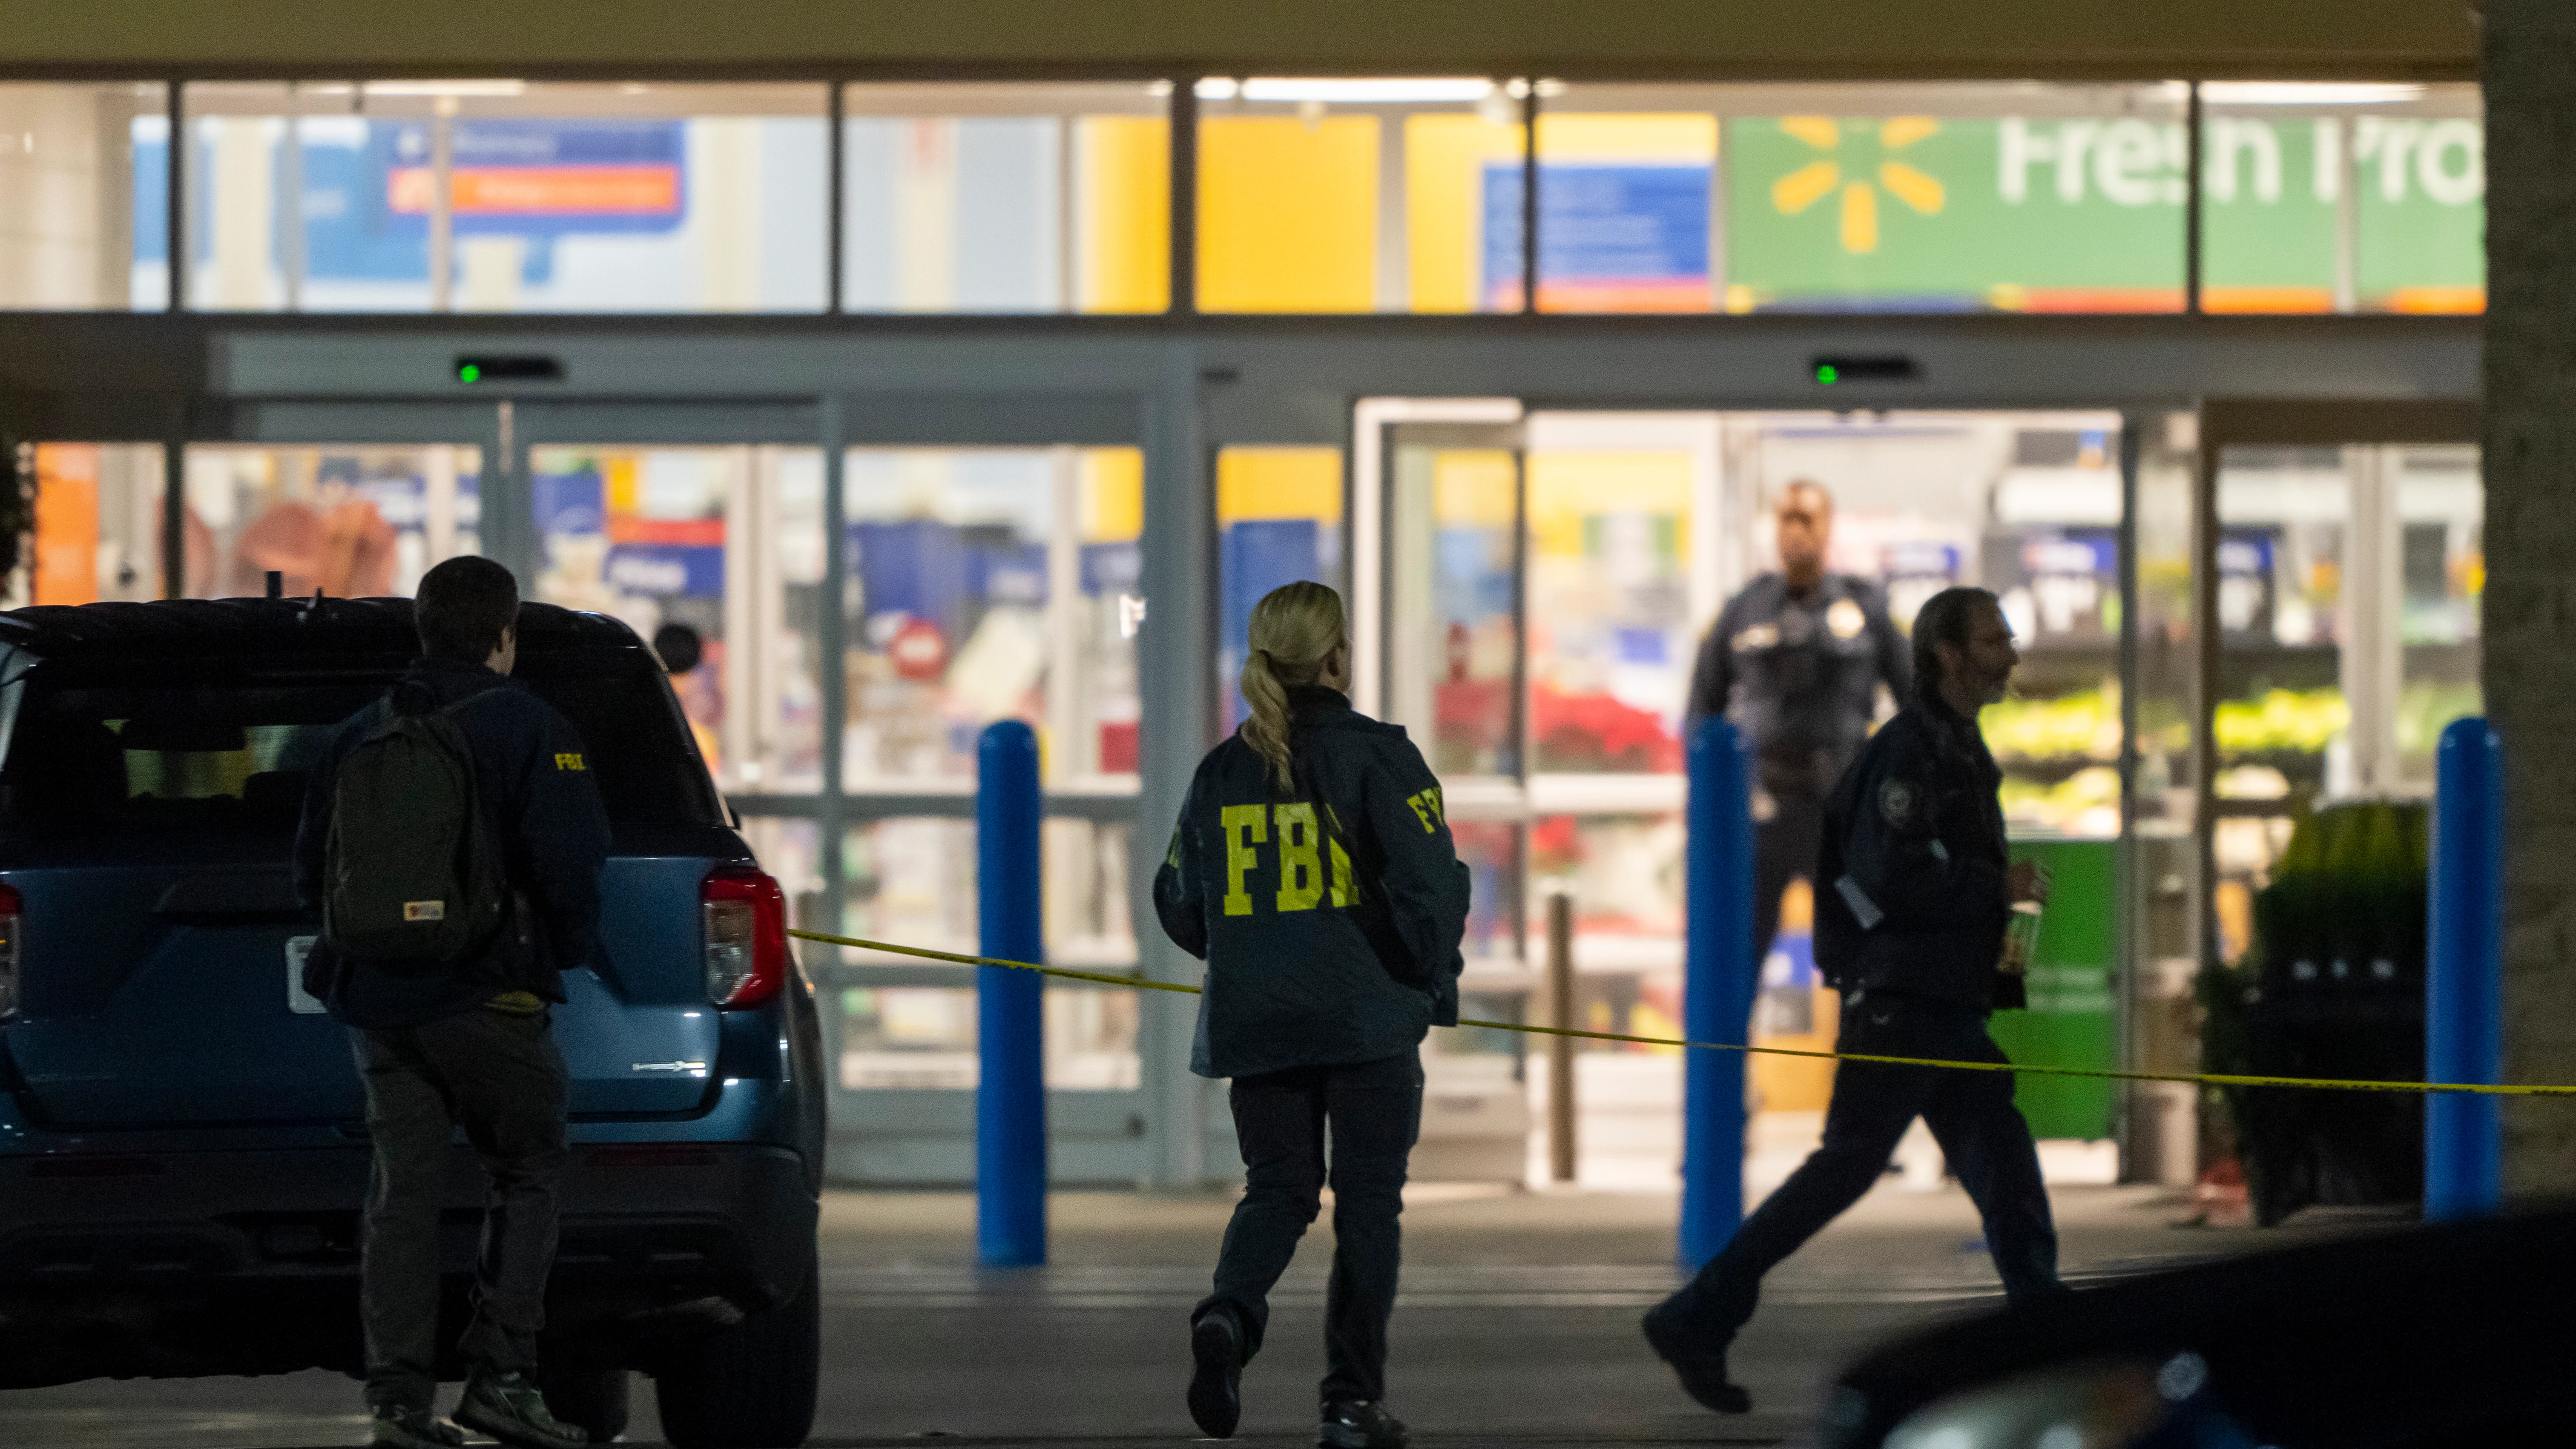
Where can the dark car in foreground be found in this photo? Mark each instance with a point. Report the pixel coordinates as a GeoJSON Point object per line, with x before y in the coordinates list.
{"type": "Point", "coordinates": [2438, 1337]}
{"type": "Point", "coordinates": [182, 1142]}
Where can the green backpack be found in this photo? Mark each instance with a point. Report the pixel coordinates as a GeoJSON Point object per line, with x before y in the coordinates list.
{"type": "Point", "coordinates": [411, 881]}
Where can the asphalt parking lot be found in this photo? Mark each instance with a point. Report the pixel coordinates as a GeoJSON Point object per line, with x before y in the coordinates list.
{"type": "Point", "coordinates": [1517, 1325]}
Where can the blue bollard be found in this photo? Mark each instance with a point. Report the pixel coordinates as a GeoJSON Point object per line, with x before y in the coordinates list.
{"type": "Point", "coordinates": [2464, 975]}
{"type": "Point", "coordinates": [1717, 988]}
{"type": "Point", "coordinates": [1010, 1092]}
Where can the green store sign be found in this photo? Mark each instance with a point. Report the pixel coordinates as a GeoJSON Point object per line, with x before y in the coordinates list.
{"type": "Point", "coordinates": [2088, 214]}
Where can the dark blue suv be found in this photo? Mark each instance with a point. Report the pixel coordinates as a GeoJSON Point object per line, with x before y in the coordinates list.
{"type": "Point", "coordinates": [182, 1141]}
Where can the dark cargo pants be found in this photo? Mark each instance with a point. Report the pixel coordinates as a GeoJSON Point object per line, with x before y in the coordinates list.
{"type": "Point", "coordinates": [500, 1077]}
{"type": "Point", "coordinates": [1375, 1111]}
{"type": "Point", "coordinates": [1971, 1114]}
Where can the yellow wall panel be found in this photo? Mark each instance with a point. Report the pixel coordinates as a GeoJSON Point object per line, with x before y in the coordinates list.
{"type": "Point", "coordinates": [1257, 483]}
{"type": "Point", "coordinates": [1123, 261]}
{"type": "Point", "coordinates": [1113, 495]}
{"type": "Point", "coordinates": [1288, 214]}
{"type": "Point", "coordinates": [1445, 155]}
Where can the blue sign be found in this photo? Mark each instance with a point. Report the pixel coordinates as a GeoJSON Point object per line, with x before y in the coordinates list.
{"type": "Point", "coordinates": [1621, 236]}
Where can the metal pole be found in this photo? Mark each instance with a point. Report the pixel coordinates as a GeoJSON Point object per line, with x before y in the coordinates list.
{"type": "Point", "coordinates": [290, 206]}
{"type": "Point", "coordinates": [1717, 989]}
{"type": "Point", "coordinates": [1010, 1093]}
{"type": "Point", "coordinates": [1184, 191]}
{"type": "Point", "coordinates": [174, 197]}
{"type": "Point", "coordinates": [1529, 199]}
{"type": "Point", "coordinates": [1560, 1049]}
{"type": "Point", "coordinates": [835, 189]}
{"type": "Point", "coordinates": [2193, 185]}
{"type": "Point", "coordinates": [2464, 975]}
{"type": "Point", "coordinates": [442, 204]}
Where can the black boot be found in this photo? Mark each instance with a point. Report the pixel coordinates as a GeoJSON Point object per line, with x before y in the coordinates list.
{"type": "Point", "coordinates": [1216, 1386]}
{"type": "Point", "coordinates": [1702, 1367]}
{"type": "Point", "coordinates": [1360, 1424]}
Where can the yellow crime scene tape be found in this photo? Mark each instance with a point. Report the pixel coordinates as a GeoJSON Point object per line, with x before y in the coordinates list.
{"type": "Point", "coordinates": [2211, 1079]}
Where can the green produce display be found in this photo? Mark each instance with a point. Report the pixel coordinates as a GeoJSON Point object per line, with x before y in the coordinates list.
{"type": "Point", "coordinates": [2083, 725]}
{"type": "Point", "coordinates": [2302, 721]}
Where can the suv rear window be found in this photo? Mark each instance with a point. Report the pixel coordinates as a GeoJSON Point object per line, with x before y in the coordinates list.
{"type": "Point", "coordinates": [98, 756]}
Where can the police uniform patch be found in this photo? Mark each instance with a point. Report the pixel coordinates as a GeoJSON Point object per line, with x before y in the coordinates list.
{"type": "Point", "coordinates": [1896, 802]}
{"type": "Point", "coordinates": [1845, 619]}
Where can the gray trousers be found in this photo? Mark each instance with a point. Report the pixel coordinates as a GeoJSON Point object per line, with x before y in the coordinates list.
{"type": "Point", "coordinates": [500, 1077]}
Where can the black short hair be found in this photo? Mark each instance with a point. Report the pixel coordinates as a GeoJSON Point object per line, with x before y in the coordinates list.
{"type": "Point", "coordinates": [463, 608]}
{"type": "Point", "coordinates": [1944, 619]}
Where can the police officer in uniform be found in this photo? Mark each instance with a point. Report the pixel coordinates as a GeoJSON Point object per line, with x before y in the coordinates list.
{"type": "Point", "coordinates": [1796, 660]}
{"type": "Point", "coordinates": [1914, 892]}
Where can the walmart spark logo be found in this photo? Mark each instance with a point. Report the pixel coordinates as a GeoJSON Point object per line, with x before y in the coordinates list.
{"type": "Point", "coordinates": [1858, 186]}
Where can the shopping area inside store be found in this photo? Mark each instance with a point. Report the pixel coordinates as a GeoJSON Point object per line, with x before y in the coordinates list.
{"type": "Point", "coordinates": [1529, 585]}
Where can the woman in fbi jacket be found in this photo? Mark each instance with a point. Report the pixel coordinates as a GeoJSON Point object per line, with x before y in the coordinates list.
{"type": "Point", "coordinates": [1313, 870]}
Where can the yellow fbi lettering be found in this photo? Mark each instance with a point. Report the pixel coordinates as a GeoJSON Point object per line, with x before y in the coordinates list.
{"type": "Point", "coordinates": [1303, 882]}
{"type": "Point", "coordinates": [1245, 827]}
{"type": "Point", "coordinates": [569, 762]}
{"type": "Point", "coordinates": [1428, 809]}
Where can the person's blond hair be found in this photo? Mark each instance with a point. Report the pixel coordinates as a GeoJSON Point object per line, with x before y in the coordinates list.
{"type": "Point", "coordinates": [1293, 629]}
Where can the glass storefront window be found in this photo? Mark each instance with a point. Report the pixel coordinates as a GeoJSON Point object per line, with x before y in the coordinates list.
{"type": "Point", "coordinates": [727, 541]}
{"type": "Point", "coordinates": [84, 196]}
{"type": "Point", "coordinates": [1455, 672]}
{"type": "Point", "coordinates": [916, 1037]}
{"type": "Point", "coordinates": [354, 522]}
{"type": "Point", "coordinates": [1279, 520]}
{"type": "Point", "coordinates": [1359, 195]}
{"type": "Point", "coordinates": [2441, 566]}
{"type": "Point", "coordinates": [1629, 215]}
{"type": "Point", "coordinates": [992, 583]}
{"type": "Point", "coordinates": [1947, 197]}
{"type": "Point", "coordinates": [2342, 198]}
{"type": "Point", "coordinates": [2348, 591]}
{"type": "Point", "coordinates": [1006, 198]}
{"type": "Point", "coordinates": [503, 196]}
{"type": "Point", "coordinates": [1613, 505]}
{"type": "Point", "coordinates": [98, 522]}
{"type": "Point", "coordinates": [912, 880]}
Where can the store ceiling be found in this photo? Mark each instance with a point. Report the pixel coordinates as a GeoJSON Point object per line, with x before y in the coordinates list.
{"type": "Point", "coordinates": [1712, 39]}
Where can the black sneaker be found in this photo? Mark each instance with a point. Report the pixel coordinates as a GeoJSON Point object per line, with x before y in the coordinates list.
{"type": "Point", "coordinates": [1360, 1424]}
{"type": "Point", "coordinates": [1702, 1370]}
{"type": "Point", "coordinates": [394, 1426]}
{"type": "Point", "coordinates": [510, 1408]}
{"type": "Point", "coordinates": [1216, 1387]}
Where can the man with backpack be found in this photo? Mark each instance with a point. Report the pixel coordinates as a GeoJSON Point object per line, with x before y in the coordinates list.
{"type": "Point", "coordinates": [453, 840]}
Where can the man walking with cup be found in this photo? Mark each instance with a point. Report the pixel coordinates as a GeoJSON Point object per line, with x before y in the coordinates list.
{"type": "Point", "coordinates": [1920, 923]}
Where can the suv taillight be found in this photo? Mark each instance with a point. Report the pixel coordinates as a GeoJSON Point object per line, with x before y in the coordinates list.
{"type": "Point", "coordinates": [13, 909]}
{"type": "Point", "coordinates": [746, 917]}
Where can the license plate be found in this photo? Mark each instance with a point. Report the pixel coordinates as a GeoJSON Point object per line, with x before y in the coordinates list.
{"type": "Point", "coordinates": [299, 1000]}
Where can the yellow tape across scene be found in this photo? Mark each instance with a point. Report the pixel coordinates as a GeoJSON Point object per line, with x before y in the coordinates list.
{"type": "Point", "coordinates": [2209, 1079]}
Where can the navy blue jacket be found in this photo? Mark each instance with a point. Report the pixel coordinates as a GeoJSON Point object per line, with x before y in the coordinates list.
{"type": "Point", "coordinates": [1800, 675]}
{"type": "Point", "coordinates": [543, 808]}
{"type": "Point", "coordinates": [1329, 918]}
{"type": "Point", "coordinates": [1910, 881]}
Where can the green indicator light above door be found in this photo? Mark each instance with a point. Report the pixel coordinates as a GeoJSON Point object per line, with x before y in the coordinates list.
{"type": "Point", "coordinates": [1826, 374]}
{"type": "Point", "coordinates": [507, 367]}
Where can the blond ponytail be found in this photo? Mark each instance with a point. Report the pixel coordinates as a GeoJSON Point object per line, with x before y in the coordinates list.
{"type": "Point", "coordinates": [1293, 630]}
